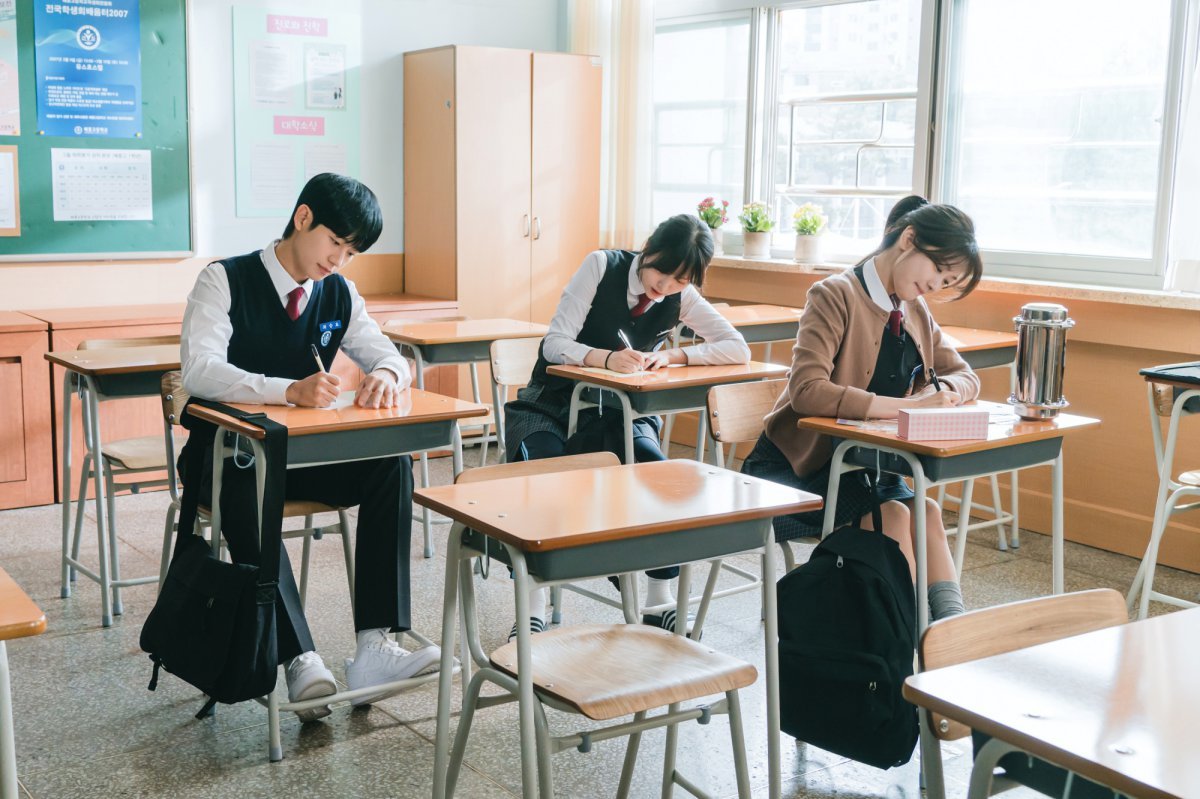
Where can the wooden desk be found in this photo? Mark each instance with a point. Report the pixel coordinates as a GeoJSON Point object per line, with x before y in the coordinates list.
{"type": "Point", "coordinates": [982, 349]}
{"type": "Point", "coordinates": [667, 390]}
{"type": "Point", "coordinates": [566, 526]}
{"type": "Point", "coordinates": [19, 618]}
{"type": "Point", "coordinates": [27, 454]}
{"type": "Point", "coordinates": [1009, 445]}
{"type": "Point", "coordinates": [466, 341]}
{"type": "Point", "coordinates": [100, 375]}
{"type": "Point", "coordinates": [319, 436]}
{"type": "Point", "coordinates": [1117, 706]}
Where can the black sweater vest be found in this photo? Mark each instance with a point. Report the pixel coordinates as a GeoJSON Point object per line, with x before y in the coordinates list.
{"type": "Point", "coordinates": [265, 341]}
{"type": "Point", "coordinates": [609, 313]}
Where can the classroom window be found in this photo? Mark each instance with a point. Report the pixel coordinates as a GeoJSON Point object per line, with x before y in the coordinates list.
{"type": "Point", "coordinates": [1055, 131]}
{"type": "Point", "coordinates": [700, 91]}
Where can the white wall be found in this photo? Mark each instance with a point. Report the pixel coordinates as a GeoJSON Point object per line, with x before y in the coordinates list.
{"type": "Point", "coordinates": [390, 28]}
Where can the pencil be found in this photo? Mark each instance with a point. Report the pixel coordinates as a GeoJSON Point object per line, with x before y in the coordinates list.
{"type": "Point", "coordinates": [317, 358]}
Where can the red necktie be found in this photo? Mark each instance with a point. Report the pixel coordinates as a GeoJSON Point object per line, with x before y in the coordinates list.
{"type": "Point", "coordinates": [293, 303]}
{"type": "Point", "coordinates": [642, 304]}
{"type": "Point", "coordinates": [896, 318]}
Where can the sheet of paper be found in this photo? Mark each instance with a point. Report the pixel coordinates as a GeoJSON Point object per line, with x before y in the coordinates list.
{"type": "Point", "coordinates": [94, 185]}
{"type": "Point", "coordinates": [10, 224]}
{"type": "Point", "coordinates": [325, 76]}
{"type": "Point", "coordinates": [273, 176]}
{"type": "Point", "coordinates": [344, 400]}
{"type": "Point", "coordinates": [596, 370]}
{"type": "Point", "coordinates": [320, 158]}
{"type": "Point", "coordinates": [272, 75]}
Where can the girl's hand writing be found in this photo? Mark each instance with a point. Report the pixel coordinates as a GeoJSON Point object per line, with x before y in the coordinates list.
{"type": "Point", "coordinates": [627, 361]}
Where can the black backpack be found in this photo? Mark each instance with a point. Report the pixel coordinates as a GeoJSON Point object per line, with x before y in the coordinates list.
{"type": "Point", "coordinates": [847, 634]}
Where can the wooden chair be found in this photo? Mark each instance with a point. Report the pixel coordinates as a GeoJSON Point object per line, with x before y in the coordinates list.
{"type": "Point", "coordinates": [1166, 402]}
{"type": "Point", "coordinates": [122, 458]}
{"type": "Point", "coordinates": [606, 671]}
{"type": "Point", "coordinates": [996, 630]}
{"type": "Point", "coordinates": [174, 399]}
{"type": "Point", "coordinates": [513, 361]}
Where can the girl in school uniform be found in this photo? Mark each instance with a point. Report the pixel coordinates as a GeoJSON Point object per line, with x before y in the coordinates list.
{"type": "Point", "coordinates": [639, 297]}
{"type": "Point", "coordinates": [867, 348]}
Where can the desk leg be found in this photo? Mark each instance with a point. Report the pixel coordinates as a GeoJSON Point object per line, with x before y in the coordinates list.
{"type": "Point", "coordinates": [441, 745]}
{"type": "Point", "coordinates": [920, 552]}
{"type": "Point", "coordinates": [1056, 530]}
{"type": "Point", "coordinates": [525, 697]}
{"type": "Point", "coordinates": [92, 435]}
{"type": "Point", "coordinates": [68, 573]}
{"type": "Point", "coordinates": [426, 520]}
{"type": "Point", "coordinates": [627, 409]}
{"type": "Point", "coordinates": [8, 749]}
{"type": "Point", "coordinates": [771, 644]}
{"type": "Point", "coordinates": [701, 434]}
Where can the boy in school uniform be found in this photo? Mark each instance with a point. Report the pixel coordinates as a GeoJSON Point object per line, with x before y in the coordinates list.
{"type": "Point", "coordinates": [248, 335]}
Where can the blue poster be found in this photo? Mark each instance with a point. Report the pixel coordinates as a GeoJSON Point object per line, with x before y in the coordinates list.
{"type": "Point", "coordinates": [88, 57]}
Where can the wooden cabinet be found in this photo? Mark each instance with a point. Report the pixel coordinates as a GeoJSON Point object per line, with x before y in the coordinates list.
{"type": "Point", "coordinates": [26, 458]}
{"type": "Point", "coordinates": [501, 176]}
{"type": "Point", "coordinates": [123, 418]}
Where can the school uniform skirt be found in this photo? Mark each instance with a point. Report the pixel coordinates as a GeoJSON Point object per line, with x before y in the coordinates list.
{"type": "Point", "coordinates": [539, 408]}
{"type": "Point", "coordinates": [855, 497]}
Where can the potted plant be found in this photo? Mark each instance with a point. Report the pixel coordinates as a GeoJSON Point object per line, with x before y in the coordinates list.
{"type": "Point", "coordinates": [714, 216]}
{"type": "Point", "coordinates": [809, 224]}
{"type": "Point", "coordinates": [756, 230]}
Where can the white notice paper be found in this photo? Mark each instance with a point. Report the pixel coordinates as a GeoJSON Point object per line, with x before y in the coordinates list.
{"type": "Point", "coordinates": [273, 176]}
{"type": "Point", "coordinates": [320, 158]}
{"type": "Point", "coordinates": [325, 76]}
{"type": "Point", "coordinates": [272, 75]}
{"type": "Point", "coordinates": [101, 185]}
{"type": "Point", "coordinates": [8, 190]}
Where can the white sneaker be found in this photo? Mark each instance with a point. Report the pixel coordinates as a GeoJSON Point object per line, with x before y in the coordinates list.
{"type": "Point", "coordinates": [383, 661]}
{"type": "Point", "coordinates": [307, 678]}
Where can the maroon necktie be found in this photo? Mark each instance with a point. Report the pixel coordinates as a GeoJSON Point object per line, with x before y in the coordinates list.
{"type": "Point", "coordinates": [293, 303]}
{"type": "Point", "coordinates": [896, 318]}
{"type": "Point", "coordinates": [642, 304]}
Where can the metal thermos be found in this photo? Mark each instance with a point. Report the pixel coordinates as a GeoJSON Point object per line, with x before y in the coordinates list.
{"type": "Point", "coordinates": [1041, 355]}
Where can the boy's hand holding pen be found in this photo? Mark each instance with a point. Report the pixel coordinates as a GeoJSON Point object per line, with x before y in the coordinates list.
{"type": "Point", "coordinates": [318, 390]}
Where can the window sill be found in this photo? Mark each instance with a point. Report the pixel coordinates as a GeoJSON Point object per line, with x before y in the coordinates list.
{"type": "Point", "coordinates": [1044, 289]}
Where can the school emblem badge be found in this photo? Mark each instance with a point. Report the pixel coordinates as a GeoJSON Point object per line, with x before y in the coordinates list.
{"type": "Point", "coordinates": [328, 334]}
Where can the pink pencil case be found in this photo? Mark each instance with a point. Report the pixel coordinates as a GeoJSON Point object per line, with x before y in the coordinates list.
{"type": "Point", "coordinates": [942, 424]}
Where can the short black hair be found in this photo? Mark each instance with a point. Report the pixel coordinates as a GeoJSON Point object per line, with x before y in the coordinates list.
{"type": "Point", "coordinates": [344, 205]}
{"type": "Point", "coordinates": [943, 233]}
{"type": "Point", "coordinates": [681, 247]}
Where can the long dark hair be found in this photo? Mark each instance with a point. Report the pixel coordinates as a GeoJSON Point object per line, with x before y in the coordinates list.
{"type": "Point", "coordinates": [683, 246]}
{"type": "Point", "coordinates": [942, 233]}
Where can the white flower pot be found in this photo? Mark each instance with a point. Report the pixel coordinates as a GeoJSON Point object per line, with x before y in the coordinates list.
{"type": "Point", "coordinates": [808, 249]}
{"type": "Point", "coordinates": [718, 235]}
{"type": "Point", "coordinates": [756, 244]}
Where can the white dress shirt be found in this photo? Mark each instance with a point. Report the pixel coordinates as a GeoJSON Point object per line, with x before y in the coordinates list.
{"type": "Point", "coordinates": [722, 343]}
{"type": "Point", "coordinates": [879, 294]}
{"type": "Point", "coordinates": [207, 329]}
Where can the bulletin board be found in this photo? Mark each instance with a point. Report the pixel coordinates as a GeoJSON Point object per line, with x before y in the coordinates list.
{"type": "Point", "coordinates": [153, 150]}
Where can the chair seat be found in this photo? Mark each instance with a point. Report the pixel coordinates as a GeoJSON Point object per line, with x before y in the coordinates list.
{"type": "Point", "coordinates": [147, 452]}
{"type": "Point", "coordinates": [1190, 478]}
{"type": "Point", "coordinates": [292, 508]}
{"type": "Point", "coordinates": [605, 671]}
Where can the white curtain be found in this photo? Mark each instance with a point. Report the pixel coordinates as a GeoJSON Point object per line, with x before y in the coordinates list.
{"type": "Point", "coordinates": [1183, 243]}
{"type": "Point", "coordinates": [621, 32]}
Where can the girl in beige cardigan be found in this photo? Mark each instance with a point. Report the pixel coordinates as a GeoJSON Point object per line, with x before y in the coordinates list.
{"type": "Point", "coordinates": [855, 359]}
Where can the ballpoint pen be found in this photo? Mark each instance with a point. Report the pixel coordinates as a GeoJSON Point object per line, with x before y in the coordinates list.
{"type": "Point", "coordinates": [937, 384]}
{"type": "Point", "coordinates": [624, 339]}
{"type": "Point", "coordinates": [317, 358]}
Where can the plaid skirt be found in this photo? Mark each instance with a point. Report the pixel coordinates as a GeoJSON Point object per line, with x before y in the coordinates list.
{"type": "Point", "coordinates": [538, 408]}
{"type": "Point", "coordinates": [854, 493]}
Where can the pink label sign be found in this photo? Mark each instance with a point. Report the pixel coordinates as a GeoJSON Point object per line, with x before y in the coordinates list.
{"type": "Point", "coordinates": [299, 126]}
{"type": "Point", "coordinates": [297, 26]}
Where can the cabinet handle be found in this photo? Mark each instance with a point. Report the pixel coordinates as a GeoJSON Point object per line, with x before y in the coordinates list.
{"type": "Point", "coordinates": [526, 225]}
{"type": "Point", "coordinates": [537, 227]}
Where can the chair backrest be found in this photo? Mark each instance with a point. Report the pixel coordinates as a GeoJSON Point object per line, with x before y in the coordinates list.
{"type": "Point", "coordinates": [736, 411]}
{"type": "Point", "coordinates": [120, 343]}
{"type": "Point", "coordinates": [513, 360]}
{"type": "Point", "coordinates": [566, 463]}
{"type": "Point", "coordinates": [1016, 625]}
{"type": "Point", "coordinates": [174, 398]}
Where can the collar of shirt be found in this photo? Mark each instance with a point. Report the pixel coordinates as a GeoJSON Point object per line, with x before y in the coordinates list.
{"type": "Point", "coordinates": [280, 279]}
{"type": "Point", "coordinates": [879, 294]}
{"type": "Point", "coordinates": [635, 288]}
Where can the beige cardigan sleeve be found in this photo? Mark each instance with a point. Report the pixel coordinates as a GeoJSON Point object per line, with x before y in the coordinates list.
{"type": "Point", "coordinates": [812, 390]}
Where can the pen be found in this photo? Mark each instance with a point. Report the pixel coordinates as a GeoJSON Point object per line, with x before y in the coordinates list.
{"type": "Point", "coordinates": [933, 376]}
{"type": "Point", "coordinates": [624, 339]}
{"type": "Point", "coordinates": [317, 358]}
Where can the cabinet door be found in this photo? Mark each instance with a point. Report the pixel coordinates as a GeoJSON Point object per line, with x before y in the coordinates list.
{"type": "Point", "coordinates": [566, 173]}
{"type": "Point", "coordinates": [133, 417]}
{"type": "Point", "coordinates": [492, 156]}
{"type": "Point", "coordinates": [26, 464]}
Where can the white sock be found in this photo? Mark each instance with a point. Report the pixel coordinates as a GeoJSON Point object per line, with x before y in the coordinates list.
{"type": "Point", "coordinates": [368, 637]}
{"type": "Point", "coordinates": [659, 592]}
{"type": "Point", "coordinates": [538, 598]}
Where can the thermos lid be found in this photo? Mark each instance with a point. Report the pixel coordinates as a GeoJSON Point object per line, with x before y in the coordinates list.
{"type": "Point", "coordinates": [1043, 312]}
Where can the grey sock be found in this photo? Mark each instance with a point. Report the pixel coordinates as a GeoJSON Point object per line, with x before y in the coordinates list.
{"type": "Point", "coordinates": [945, 599]}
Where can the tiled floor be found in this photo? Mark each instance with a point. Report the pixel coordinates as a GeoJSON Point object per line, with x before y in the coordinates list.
{"type": "Point", "coordinates": [87, 727]}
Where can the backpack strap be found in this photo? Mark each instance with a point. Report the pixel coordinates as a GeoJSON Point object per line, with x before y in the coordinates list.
{"type": "Point", "coordinates": [876, 502]}
{"type": "Point", "coordinates": [271, 518]}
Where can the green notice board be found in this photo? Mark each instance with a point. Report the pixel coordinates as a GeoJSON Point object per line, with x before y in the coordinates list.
{"type": "Point", "coordinates": [164, 135]}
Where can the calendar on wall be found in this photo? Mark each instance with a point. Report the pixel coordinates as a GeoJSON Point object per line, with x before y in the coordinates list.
{"type": "Point", "coordinates": [98, 185]}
